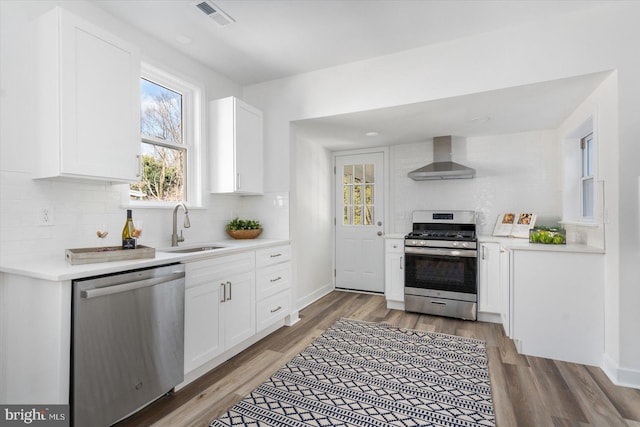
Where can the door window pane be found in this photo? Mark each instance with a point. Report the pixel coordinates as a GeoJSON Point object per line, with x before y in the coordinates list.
{"type": "Point", "coordinates": [369, 194]}
{"type": "Point", "coordinates": [358, 174]}
{"type": "Point", "coordinates": [357, 215]}
{"type": "Point", "coordinates": [348, 174]}
{"type": "Point", "coordinates": [368, 173]}
{"type": "Point", "coordinates": [368, 215]}
{"type": "Point", "coordinates": [359, 194]}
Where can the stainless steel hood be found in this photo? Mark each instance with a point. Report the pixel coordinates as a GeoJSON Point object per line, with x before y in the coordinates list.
{"type": "Point", "coordinates": [442, 166]}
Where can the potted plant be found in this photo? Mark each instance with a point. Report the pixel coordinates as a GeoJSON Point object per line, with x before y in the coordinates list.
{"type": "Point", "coordinates": [243, 228]}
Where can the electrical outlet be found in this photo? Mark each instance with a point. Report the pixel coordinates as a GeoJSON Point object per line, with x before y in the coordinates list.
{"type": "Point", "coordinates": [45, 215]}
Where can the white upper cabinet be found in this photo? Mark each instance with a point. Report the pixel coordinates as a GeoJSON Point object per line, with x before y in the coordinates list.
{"type": "Point", "coordinates": [88, 103]}
{"type": "Point", "coordinates": [236, 147]}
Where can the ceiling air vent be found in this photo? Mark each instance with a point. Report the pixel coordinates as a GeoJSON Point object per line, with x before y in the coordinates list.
{"type": "Point", "coordinates": [214, 12]}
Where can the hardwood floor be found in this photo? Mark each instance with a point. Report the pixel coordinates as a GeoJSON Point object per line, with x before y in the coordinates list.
{"type": "Point", "coordinates": [527, 391]}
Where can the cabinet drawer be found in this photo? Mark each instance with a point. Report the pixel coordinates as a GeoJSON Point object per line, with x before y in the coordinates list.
{"type": "Point", "coordinates": [270, 256]}
{"type": "Point", "coordinates": [273, 279]}
{"type": "Point", "coordinates": [394, 246]}
{"type": "Point", "coordinates": [273, 309]}
{"type": "Point", "coordinates": [199, 272]}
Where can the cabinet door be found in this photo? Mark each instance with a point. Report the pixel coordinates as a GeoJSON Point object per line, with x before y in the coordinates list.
{"type": "Point", "coordinates": [489, 296]}
{"type": "Point", "coordinates": [202, 327]}
{"type": "Point", "coordinates": [236, 151]}
{"type": "Point", "coordinates": [394, 273]}
{"type": "Point", "coordinates": [249, 166]}
{"type": "Point", "coordinates": [239, 309]}
{"type": "Point", "coordinates": [94, 125]}
{"type": "Point", "coordinates": [505, 290]}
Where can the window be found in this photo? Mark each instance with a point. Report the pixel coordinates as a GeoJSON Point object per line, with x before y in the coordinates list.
{"type": "Point", "coordinates": [359, 194]}
{"type": "Point", "coordinates": [587, 179]}
{"type": "Point", "coordinates": [168, 137]}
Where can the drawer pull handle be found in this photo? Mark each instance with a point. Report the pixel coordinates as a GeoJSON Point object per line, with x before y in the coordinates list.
{"type": "Point", "coordinates": [223, 293]}
{"type": "Point", "coordinates": [277, 309]}
{"type": "Point", "coordinates": [276, 279]}
{"type": "Point", "coordinates": [275, 255]}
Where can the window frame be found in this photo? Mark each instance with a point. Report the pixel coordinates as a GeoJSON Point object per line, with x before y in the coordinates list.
{"type": "Point", "coordinates": [587, 174]}
{"type": "Point", "coordinates": [191, 136]}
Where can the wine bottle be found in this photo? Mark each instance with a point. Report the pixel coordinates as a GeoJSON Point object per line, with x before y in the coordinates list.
{"type": "Point", "coordinates": [128, 241]}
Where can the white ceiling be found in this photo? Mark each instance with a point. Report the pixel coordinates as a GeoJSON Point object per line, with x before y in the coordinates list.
{"type": "Point", "coordinates": [273, 39]}
{"type": "Point", "coordinates": [277, 38]}
{"type": "Point", "coordinates": [519, 109]}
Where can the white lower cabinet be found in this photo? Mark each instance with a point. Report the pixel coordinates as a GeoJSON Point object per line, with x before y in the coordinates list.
{"type": "Point", "coordinates": [489, 289]}
{"type": "Point", "coordinates": [558, 308]}
{"type": "Point", "coordinates": [394, 273]}
{"type": "Point", "coordinates": [273, 285]}
{"type": "Point", "coordinates": [219, 306]}
{"type": "Point", "coordinates": [230, 299]}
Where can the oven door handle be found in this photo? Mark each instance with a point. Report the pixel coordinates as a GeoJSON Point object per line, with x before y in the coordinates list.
{"type": "Point", "coordinates": [467, 253]}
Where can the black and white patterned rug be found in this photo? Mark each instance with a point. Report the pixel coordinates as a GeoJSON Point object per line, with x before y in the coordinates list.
{"type": "Point", "coordinates": [373, 374]}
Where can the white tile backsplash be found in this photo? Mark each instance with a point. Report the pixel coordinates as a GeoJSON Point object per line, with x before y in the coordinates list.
{"type": "Point", "coordinates": [517, 172]}
{"type": "Point", "coordinates": [79, 207]}
{"type": "Point", "coordinates": [272, 210]}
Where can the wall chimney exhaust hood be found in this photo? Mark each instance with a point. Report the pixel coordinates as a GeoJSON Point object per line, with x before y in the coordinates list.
{"type": "Point", "coordinates": [442, 166]}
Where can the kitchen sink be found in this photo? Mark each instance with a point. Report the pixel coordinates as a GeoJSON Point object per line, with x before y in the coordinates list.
{"type": "Point", "coordinates": [178, 250]}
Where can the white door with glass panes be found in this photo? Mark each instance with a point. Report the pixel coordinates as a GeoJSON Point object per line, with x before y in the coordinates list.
{"type": "Point", "coordinates": [360, 222]}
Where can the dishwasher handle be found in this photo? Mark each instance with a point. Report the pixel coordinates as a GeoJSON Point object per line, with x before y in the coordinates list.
{"type": "Point", "coordinates": [125, 287]}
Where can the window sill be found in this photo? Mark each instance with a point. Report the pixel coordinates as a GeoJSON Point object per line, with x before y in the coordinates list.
{"type": "Point", "coordinates": [589, 224]}
{"type": "Point", "coordinates": [152, 205]}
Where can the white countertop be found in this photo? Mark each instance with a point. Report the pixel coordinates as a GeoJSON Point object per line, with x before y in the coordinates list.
{"type": "Point", "coordinates": [395, 236]}
{"type": "Point", "coordinates": [523, 244]}
{"type": "Point", "coordinates": [58, 269]}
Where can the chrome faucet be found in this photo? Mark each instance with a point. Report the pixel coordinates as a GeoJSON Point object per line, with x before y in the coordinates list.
{"type": "Point", "coordinates": [175, 239]}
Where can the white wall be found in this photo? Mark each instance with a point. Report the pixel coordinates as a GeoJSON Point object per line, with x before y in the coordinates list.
{"type": "Point", "coordinates": [514, 173]}
{"type": "Point", "coordinates": [601, 111]}
{"type": "Point", "coordinates": [79, 206]}
{"type": "Point", "coordinates": [312, 222]}
{"type": "Point", "coordinates": [537, 52]}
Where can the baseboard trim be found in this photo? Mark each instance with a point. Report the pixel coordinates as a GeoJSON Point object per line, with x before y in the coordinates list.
{"type": "Point", "coordinates": [620, 376]}
{"type": "Point", "coordinates": [395, 305]}
{"type": "Point", "coordinates": [314, 296]}
{"type": "Point", "coordinates": [489, 317]}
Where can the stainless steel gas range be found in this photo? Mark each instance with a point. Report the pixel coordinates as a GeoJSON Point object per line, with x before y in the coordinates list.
{"type": "Point", "coordinates": [441, 268]}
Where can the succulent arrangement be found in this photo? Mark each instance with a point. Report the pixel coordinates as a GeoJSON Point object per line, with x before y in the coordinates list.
{"type": "Point", "coordinates": [548, 235]}
{"type": "Point", "coordinates": [243, 224]}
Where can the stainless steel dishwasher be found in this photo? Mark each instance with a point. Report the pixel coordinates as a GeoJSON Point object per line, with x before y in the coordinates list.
{"type": "Point", "coordinates": [128, 342]}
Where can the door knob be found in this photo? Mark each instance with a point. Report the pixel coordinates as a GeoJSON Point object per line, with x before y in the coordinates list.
{"type": "Point", "coordinates": [379, 233]}
{"type": "Point", "coordinates": [379, 223]}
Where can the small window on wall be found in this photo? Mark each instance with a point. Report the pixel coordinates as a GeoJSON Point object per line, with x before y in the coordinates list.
{"type": "Point", "coordinates": [168, 138]}
{"type": "Point", "coordinates": [587, 180]}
